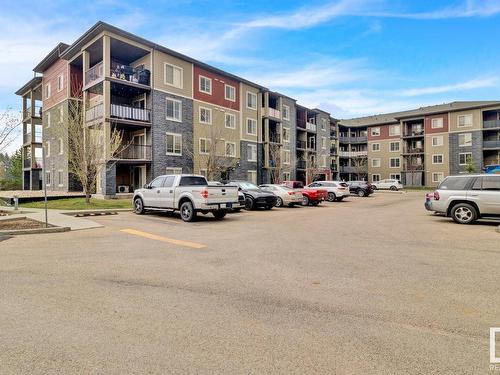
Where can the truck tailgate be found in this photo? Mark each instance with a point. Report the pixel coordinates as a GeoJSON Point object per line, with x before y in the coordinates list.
{"type": "Point", "coordinates": [222, 194]}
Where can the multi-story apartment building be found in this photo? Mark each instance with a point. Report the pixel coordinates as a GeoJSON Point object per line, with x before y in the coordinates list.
{"type": "Point", "coordinates": [424, 145]}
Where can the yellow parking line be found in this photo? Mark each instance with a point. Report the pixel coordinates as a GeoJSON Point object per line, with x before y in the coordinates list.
{"type": "Point", "coordinates": [151, 236]}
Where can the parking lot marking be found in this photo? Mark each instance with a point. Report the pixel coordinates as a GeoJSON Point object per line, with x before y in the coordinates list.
{"type": "Point", "coordinates": [151, 236]}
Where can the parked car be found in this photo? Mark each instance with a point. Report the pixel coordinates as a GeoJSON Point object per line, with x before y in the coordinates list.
{"type": "Point", "coordinates": [293, 184]}
{"type": "Point", "coordinates": [254, 196]}
{"type": "Point", "coordinates": [467, 198]}
{"type": "Point", "coordinates": [360, 188]}
{"type": "Point", "coordinates": [286, 196]}
{"type": "Point", "coordinates": [390, 184]}
{"type": "Point", "coordinates": [310, 195]}
{"type": "Point", "coordinates": [337, 190]}
{"type": "Point", "coordinates": [187, 193]}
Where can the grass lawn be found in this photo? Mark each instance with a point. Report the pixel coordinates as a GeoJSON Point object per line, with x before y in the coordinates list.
{"type": "Point", "coordinates": [79, 204]}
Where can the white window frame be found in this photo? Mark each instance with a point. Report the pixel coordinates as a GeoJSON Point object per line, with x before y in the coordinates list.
{"type": "Point", "coordinates": [254, 121]}
{"type": "Point", "coordinates": [254, 152]}
{"type": "Point", "coordinates": [373, 177]}
{"type": "Point", "coordinates": [286, 159]}
{"type": "Point", "coordinates": [226, 143]}
{"type": "Point", "coordinates": [464, 153]}
{"type": "Point", "coordinates": [393, 133]}
{"type": "Point", "coordinates": [286, 130]}
{"type": "Point", "coordinates": [437, 123]}
{"type": "Point", "coordinates": [173, 170]}
{"type": "Point", "coordinates": [394, 143]}
{"type": "Point", "coordinates": [286, 176]}
{"type": "Point", "coordinates": [174, 137]}
{"type": "Point", "coordinates": [48, 90]}
{"type": "Point", "coordinates": [60, 82]}
{"type": "Point", "coordinates": [378, 147]}
{"type": "Point", "coordinates": [61, 114]}
{"type": "Point", "coordinates": [60, 172]}
{"type": "Point", "coordinates": [437, 137]}
{"type": "Point", "coordinates": [200, 78]}
{"type": "Point", "coordinates": [437, 174]}
{"type": "Point", "coordinates": [253, 173]}
{"type": "Point", "coordinates": [230, 115]}
{"type": "Point", "coordinates": [174, 68]}
{"type": "Point", "coordinates": [465, 116]}
{"type": "Point", "coordinates": [207, 146]}
{"type": "Point", "coordinates": [210, 115]}
{"type": "Point", "coordinates": [465, 134]}
{"type": "Point", "coordinates": [323, 143]}
{"type": "Point", "coordinates": [395, 176]}
{"type": "Point", "coordinates": [378, 162]}
{"type": "Point", "coordinates": [437, 155]}
{"type": "Point", "coordinates": [375, 132]}
{"type": "Point", "coordinates": [253, 95]}
{"type": "Point", "coordinates": [323, 124]}
{"type": "Point", "coordinates": [324, 161]}
{"type": "Point", "coordinates": [399, 162]}
{"type": "Point", "coordinates": [174, 101]}
{"type": "Point", "coordinates": [48, 119]}
{"type": "Point", "coordinates": [226, 86]}
{"type": "Point", "coordinates": [48, 178]}
{"type": "Point", "coordinates": [61, 146]}
{"type": "Point", "coordinates": [286, 112]}
{"type": "Point", "coordinates": [48, 149]}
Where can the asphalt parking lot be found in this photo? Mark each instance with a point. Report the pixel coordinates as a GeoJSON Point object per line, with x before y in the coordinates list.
{"type": "Point", "coordinates": [368, 285]}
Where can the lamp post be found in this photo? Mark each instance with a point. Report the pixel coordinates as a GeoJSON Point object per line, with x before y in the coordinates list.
{"type": "Point", "coordinates": [44, 177]}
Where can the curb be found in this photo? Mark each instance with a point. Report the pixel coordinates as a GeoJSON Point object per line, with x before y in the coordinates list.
{"type": "Point", "coordinates": [34, 231]}
{"type": "Point", "coordinates": [106, 211]}
{"type": "Point", "coordinates": [389, 191]}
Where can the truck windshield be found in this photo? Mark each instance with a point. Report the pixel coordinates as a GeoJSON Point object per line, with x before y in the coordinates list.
{"type": "Point", "coordinates": [193, 181]}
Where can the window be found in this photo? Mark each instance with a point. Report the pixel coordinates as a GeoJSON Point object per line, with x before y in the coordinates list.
{"type": "Point", "coordinates": [47, 91]}
{"type": "Point", "coordinates": [394, 130]}
{"type": "Point", "coordinates": [169, 181]}
{"type": "Point", "coordinates": [323, 161]}
{"type": "Point", "coordinates": [252, 152]}
{"type": "Point", "coordinates": [205, 115]}
{"type": "Point", "coordinates": [61, 146]}
{"type": "Point", "coordinates": [286, 112]}
{"type": "Point", "coordinates": [437, 176]}
{"type": "Point", "coordinates": [323, 143]}
{"type": "Point", "coordinates": [206, 85]}
{"type": "Point", "coordinates": [61, 114]}
{"type": "Point", "coordinates": [375, 131]}
{"type": "Point", "coordinates": [173, 170]}
{"type": "Point", "coordinates": [394, 146]}
{"type": "Point", "coordinates": [323, 124]}
{"type": "Point", "coordinates": [375, 177]}
{"type": "Point", "coordinates": [395, 176]}
{"type": "Point", "coordinates": [230, 121]}
{"type": "Point", "coordinates": [437, 123]}
{"type": "Point", "coordinates": [375, 146]}
{"type": "Point", "coordinates": [205, 145]}
{"type": "Point", "coordinates": [455, 183]}
{"type": "Point", "coordinates": [465, 140]}
{"type": "Point", "coordinates": [437, 141]}
{"type": "Point", "coordinates": [394, 163]}
{"type": "Point", "coordinates": [231, 149]}
{"type": "Point", "coordinates": [60, 82]}
{"type": "Point", "coordinates": [174, 110]}
{"type": "Point", "coordinates": [286, 176]}
{"type": "Point", "coordinates": [375, 163]}
{"type": "Point", "coordinates": [157, 182]}
{"type": "Point", "coordinates": [47, 178]}
{"type": "Point", "coordinates": [48, 119]}
{"type": "Point", "coordinates": [252, 176]}
{"type": "Point", "coordinates": [60, 177]}
{"type": "Point", "coordinates": [491, 183]}
{"type": "Point", "coordinates": [464, 121]}
{"type": "Point", "coordinates": [174, 143]}
{"type": "Point", "coordinates": [48, 149]}
{"type": "Point", "coordinates": [173, 76]}
{"type": "Point", "coordinates": [437, 159]}
{"type": "Point", "coordinates": [286, 135]}
{"type": "Point", "coordinates": [286, 157]}
{"type": "Point", "coordinates": [251, 126]}
{"type": "Point", "coordinates": [251, 100]}
{"type": "Point", "coordinates": [464, 158]}
{"type": "Point", "coordinates": [229, 93]}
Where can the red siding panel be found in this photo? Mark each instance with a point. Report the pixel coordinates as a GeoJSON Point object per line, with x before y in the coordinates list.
{"type": "Point", "coordinates": [50, 75]}
{"type": "Point", "coordinates": [218, 91]}
{"type": "Point", "coordinates": [384, 133]}
{"type": "Point", "coordinates": [428, 124]}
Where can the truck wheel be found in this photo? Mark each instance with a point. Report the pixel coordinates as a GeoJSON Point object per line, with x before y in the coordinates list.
{"type": "Point", "coordinates": [305, 201]}
{"type": "Point", "coordinates": [361, 193]}
{"type": "Point", "coordinates": [249, 204]}
{"type": "Point", "coordinates": [331, 197]}
{"type": "Point", "coordinates": [463, 213]}
{"type": "Point", "coordinates": [138, 206]}
{"type": "Point", "coordinates": [219, 214]}
{"type": "Point", "coordinates": [187, 212]}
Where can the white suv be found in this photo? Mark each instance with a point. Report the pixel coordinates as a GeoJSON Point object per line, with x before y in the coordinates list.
{"type": "Point", "coordinates": [467, 198]}
{"type": "Point", "coordinates": [337, 190]}
{"type": "Point", "coordinates": [390, 184]}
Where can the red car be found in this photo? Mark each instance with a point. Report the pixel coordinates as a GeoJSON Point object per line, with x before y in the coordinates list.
{"type": "Point", "coordinates": [310, 196]}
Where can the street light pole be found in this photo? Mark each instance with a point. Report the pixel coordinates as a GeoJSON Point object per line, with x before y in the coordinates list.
{"type": "Point", "coordinates": [44, 176]}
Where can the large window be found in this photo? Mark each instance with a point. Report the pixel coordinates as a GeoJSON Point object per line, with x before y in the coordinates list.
{"type": "Point", "coordinates": [48, 119]}
{"type": "Point", "coordinates": [231, 149]}
{"type": "Point", "coordinates": [464, 121]}
{"type": "Point", "coordinates": [47, 90]}
{"type": "Point", "coordinates": [251, 152]}
{"type": "Point", "coordinates": [174, 110]}
{"type": "Point", "coordinates": [375, 177]}
{"type": "Point", "coordinates": [205, 145]}
{"type": "Point", "coordinates": [174, 144]}
{"type": "Point", "coordinates": [173, 75]}
{"type": "Point", "coordinates": [323, 143]}
{"type": "Point", "coordinates": [375, 163]}
{"type": "Point", "coordinates": [251, 100]}
{"type": "Point", "coordinates": [464, 158]}
{"type": "Point", "coordinates": [205, 85]}
{"type": "Point", "coordinates": [229, 93]}
{"type": "Point", "coordinates": [61, 146]}
{"type": "Point", "coordinates": [205, 115]}
{"type": "Point", "coordinates": [375, 146]}
{"type": "Point", "coordinates": [323, 124]}
{"type": "Point", "coordinates": [394, 146]}
{"type": "Point", "coordinates": [394, 130]}
{"type": "Point", "coordinates": [252, 176]}
{"type": "Point", "coordinates": [437, 140]}
{"type": "Point", "coordinates": [230, 121]}
{"type": "Point", "coordinates": [437, 176]}
{"type": "Point", "coordinates": [437, 123]}
{"type": "Point", "coordinates": [60, 178]}
{"type": "Point", "coordinates": [251, 126]}
{"type": "Point", "coordinates": [395, 176]}
{"type": "Point", "coordinates": [437, 159]}
{"type": "Point", "coordinates": [394, 162]}
{"type": "Point", "coordinates": [465, 140]}
{"type": "Point", "coordinates": [375, 131]}
{"type": "Point", "coordinates": [286, 157]}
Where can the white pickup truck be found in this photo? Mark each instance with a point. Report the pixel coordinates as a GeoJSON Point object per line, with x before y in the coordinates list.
{"type": "Point", "coordinates": [186, 193]}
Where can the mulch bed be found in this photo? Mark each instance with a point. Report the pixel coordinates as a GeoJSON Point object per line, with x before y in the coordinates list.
{"type": "Point", "coordinates": [21, 224]}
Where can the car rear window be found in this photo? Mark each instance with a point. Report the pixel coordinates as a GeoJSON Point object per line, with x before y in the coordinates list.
{"type": "Point", "coordinates": [193, 181]}
{"type": "Point", "coordinates": [454, 183]}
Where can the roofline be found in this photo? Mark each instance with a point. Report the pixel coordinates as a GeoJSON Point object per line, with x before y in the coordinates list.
{"type": "Point", "coordinates": [72, 50]}
{"type": "Point", "coordinates": [452, 110]}
{"type": "Point", "coordinates": [33, 82]}
{"type": "Point", "coordinates": [52, 55]}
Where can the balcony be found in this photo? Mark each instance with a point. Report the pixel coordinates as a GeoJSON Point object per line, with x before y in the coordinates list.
{"type": "Point", "coordinates": [333, 151]}
{"type": "Point", "coordinates": [301, 164]}
{"type": "Point", "coordinates": [27, 163]}
{"type": "Point", "coordinates": [135, 152]}
{"type": "Point", "coordinates": [353, 154]}
{"type": "Point", "coordinates": [37, 112]}
{"type": "Point", "coordinates": [492, 124]}
{"type": "Point", "coordinates": [94, 74]}
{"type": "Point", "coordinates": [345, 139]}
{"type": "Point", "coordinates": [125, 112]}
{"type": "Point", "coordinates": [310, 126]}
{"type": "Point", "coordinates": [413, 133]}
{"type": "Point", "coordinates": [133, 75]}
{"type": "Point", "coordinates": [491, 145]}
{"type": "Point", "coordinates": [413, 150]}
{"type": "Point", "coordinates": [301, 145]}
{"type": "Point", "coordinates": [413, 167]}
{"type": "Point", "coordinates": [348, 169]}
{"type": "Point", "coordinates": [27, 137]}
{"type": "Point", "coordinates": [271, 112]}
{"type": "Point", "coordinates": [38, 163]}
{"type": "Point", "coordinates": [95, 113]}
{"type": "Point", "coordinates": [334, 167]}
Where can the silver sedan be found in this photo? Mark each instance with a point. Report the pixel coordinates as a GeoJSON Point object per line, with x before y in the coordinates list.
{"type": "Point", "coordinates": [286, 196]}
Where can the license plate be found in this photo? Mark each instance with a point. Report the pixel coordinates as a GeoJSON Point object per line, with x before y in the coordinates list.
{"type": "Point", "coordinates": [229, 205]}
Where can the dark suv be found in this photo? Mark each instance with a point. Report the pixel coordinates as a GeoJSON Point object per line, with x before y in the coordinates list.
{"type": "Point", "coordinates": [360, 188]}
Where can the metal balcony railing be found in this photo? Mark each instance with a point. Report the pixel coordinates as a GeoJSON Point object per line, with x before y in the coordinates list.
{"type": "Point", "coordinates": [344, 139]}
{"type": "Point", "coordinates": [130, 113]}
{"type": "Point", "coordinates": [491, 124]}
{"type": "Point", "coordinates": [334, 167]}
{"type": "Point", "coordinates": [271, 112]}
{"type": "Point", "coordinates": [413, 133]}
{"type": "Point", "coordinates": [131, 74]}
{"type": "Point", "coordinates": [94, 113]}
{"type": "Point", "coordinates": [333, 151]}
{"type": "Point", "coordinates": [301, 164]}
{"type": "Point", "coordinates": [94, 74]}
{"type": "Point", "coordinates": [353, 154]}
{"type": "Point", "coordinates": [310, 126]}
{"type": "Point", "coordinates": [37, 112]}
{"type": "Point", "coordinates": [491, 144]}
{"type": "Point", "coordinates": [134, 151]}
{"type": "Point", "coordinates": [413, 167]}
{"type": "Point", "coordinates": [413, 150]}
{"type": "Point", "coordinates": [302, 144]}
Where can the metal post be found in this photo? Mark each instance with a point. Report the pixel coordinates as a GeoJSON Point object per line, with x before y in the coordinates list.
{"type": "Point", "coordinates": [44, 177]}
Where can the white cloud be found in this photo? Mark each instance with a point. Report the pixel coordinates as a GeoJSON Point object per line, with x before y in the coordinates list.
{"type": "Point", "coordinates": [468, 85]}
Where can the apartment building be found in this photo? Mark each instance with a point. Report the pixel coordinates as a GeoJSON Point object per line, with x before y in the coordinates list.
{"type": "Point", "coordinates": [424, 145]}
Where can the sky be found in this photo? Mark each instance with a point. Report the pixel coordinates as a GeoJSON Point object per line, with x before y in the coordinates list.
{"type": "Point", "coordinates": [348, 57]}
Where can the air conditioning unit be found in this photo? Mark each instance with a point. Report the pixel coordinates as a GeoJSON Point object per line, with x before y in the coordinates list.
{"type": "Point", "coordinates": [123, 188]}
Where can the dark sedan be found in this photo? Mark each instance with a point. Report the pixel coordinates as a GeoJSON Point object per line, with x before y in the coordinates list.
{"type": "Point", "coordinates": [254, 196]}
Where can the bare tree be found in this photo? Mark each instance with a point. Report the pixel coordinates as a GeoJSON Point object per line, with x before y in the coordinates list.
{"type": "Point", "coordinates": [9, 125]}
{"type": "Point", "coordinates": [312, 169]}
{"type": "Point", "coordinates": [276, 163]}
{"type": "Point", "coordinates": [360, 165]}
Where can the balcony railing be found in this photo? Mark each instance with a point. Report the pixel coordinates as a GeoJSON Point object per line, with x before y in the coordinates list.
{"type": "Point", "coordinates": [413, 150]}
{"type": "Point", "coordinates": [130, 113]}
{"type": "Point", "coordinates": [413, 167]}
{"type": "Point", "coordinates": [491, 144]}
{"type": "Point", "coordinates": [334, 167]}
{"type": "Point", "coordinates": [38, 163]}
{"type": "Point", "coordinates": [134, 151]}
{"type": "Point", "coordinates": [353, 154]}
{"type": "Point", "coordinates": [94, 113]}
{"type": "Point", "coordinates": [301, 164]}
{"type": "Point", "coordinates": [310, 126]}
{"type": "Point", "coordinates": [26, 138]}
{"type": "Point", "coordinates": [344, 139]}
{"type": "Point", "coordinates": [491, 124]}
{"type": "Point", "coordinates": [333, 151]}
{"type": "Point", "coordinates": [94, 74]}
{"type": "Point", "coordinates": [27, 163]}
{"type": "Point", "coordinates": [37, 112]}
{"type": "Point", "coordinates": [349, 169]}
{"type": "Point", "coordinates": [302, 144]}
{"type": "Point", "coordinates": [413, 133]}
{"type": "Point", "coordinates": [130, 74]}
{"type": "Point", "coordinates": [271, 112]}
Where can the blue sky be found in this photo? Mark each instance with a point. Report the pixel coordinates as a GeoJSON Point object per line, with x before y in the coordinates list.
{"type": "Point", "coordinates": [352, 58]}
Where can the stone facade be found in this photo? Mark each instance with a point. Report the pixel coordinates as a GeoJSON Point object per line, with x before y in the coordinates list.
{"type": "Point", "coordinates": [291, 125]}
{"type": "Point", "coordinates": [476, 149]}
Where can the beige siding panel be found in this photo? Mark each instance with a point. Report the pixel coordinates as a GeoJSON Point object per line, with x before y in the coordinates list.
{"type": "Point", "coordinates": [384, 155]}
{"type": "Point", "coordinates": [476, 120]}
{"type": "Point", "coordinates": [249, 113]}
{"type": "Point", "coordinates": [160, 59]}
{"type": "Point", "coordinates": [436, 150]}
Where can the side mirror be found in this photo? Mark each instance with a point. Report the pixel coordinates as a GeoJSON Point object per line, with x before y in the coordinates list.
{"type": "Point", "coordinates": [147, 186]}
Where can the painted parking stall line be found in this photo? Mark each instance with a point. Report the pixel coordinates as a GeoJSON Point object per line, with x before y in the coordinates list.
{"type": "Point", "coordinates": [151, 236]}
